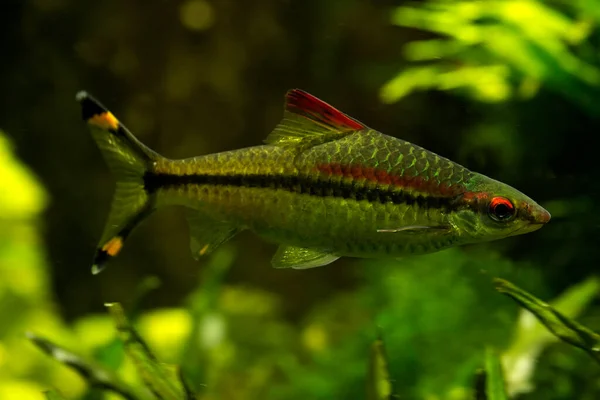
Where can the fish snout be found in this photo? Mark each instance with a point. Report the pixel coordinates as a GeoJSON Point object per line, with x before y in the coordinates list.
{"type": "Point", "coordinates": [539, 215]}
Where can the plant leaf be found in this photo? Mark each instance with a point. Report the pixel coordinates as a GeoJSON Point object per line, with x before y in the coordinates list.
{"type": "Point", "coordinates": [187, 389]}
{"type": "Point", "coordinates": [495, 388]}
{"type": "Point", "coordinates": [497, 33]}
{"type": "Point", "coordinates": [53, 395]}
{"type": "Point", "coordinates": [96, 375]}
{"type": "Point", "coordinates": [379, 386]}
{"type": "Point", "coordinates": [531, 337]}
{"type": "Point", "coordinates": [154, 374]}
{"type": "Point", "coordinates": [561, 326]}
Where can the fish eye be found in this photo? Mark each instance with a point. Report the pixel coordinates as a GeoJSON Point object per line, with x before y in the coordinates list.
{"type": "Point", "coordinates": [501, 209]}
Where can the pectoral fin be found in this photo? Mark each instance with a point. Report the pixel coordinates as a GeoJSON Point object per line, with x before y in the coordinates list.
{"type": "Point", "coordinates": [301, 258]}
{"type": "Point", "coordinates": [206, 233]}
{"type": "Point", "coordinates": [415, 229]}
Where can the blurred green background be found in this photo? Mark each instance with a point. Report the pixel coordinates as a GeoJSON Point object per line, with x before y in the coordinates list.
{"type": "Point", "coordinates": [507, 88]}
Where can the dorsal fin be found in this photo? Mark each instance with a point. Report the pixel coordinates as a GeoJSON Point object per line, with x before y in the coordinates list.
{"type": "Point", "coordinates": [305, 104]}
{"type": "Point", "coordinates": [308, 121]}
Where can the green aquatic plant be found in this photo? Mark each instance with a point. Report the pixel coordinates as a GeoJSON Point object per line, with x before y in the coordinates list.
{"type": "Point", "coordinates": [155, 375]}
{"type": "Point", "coordinates": [493, 51]}
{"type": "Point", "coordinates": [26, 298]}
{"type": "Point", "coordinates": [93, 372]}
{"type": "Point", "coordinates": [489, 380]}
{"type": "Point", "coordinates": [379, 386]}
{"type": "Point", "coordinates": [53, 395]}
{"type": "Point", "coordinates": [379, 382]}
{"type": "Point", "coordinates": [555, 322]}
{"type": "Point", "coordinates": [560, 325]}
{"type": "Point", "coordinates": [214, 340]}
{"type": "Point", "coordinates": [159, 380]}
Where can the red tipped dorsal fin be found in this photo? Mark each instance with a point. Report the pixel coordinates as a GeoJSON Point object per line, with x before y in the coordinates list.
{"type": "Point", "coordinates": [305, 104]}
{"type": "Point", "coordinates": [309, 121]}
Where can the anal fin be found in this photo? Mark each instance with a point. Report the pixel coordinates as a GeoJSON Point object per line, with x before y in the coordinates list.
{"type": "Point", "coordinates": [301, 258]}
{"type": "Point", "coordinates": [207, 233]}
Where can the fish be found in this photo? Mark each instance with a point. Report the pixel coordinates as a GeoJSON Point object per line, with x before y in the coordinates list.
{"type": "Point", "coordinates": [322, 186]}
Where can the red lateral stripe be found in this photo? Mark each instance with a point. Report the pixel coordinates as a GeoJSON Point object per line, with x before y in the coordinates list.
{"type": "Point", "coordinates": [469, 196]}
{"type": "Point", "coordinates": [307, 105]}
{"type": "Point", "coordinates": [381, 176]}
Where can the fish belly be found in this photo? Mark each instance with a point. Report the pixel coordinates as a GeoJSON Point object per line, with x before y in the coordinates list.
{"type": "Point", "coordinates": [345, 227]}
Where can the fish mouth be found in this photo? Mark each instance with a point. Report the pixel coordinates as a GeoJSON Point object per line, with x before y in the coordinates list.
{"type": "Point", "coordinates": [534, 226]}
{"type": "Point", "coordinates": [541, 217]}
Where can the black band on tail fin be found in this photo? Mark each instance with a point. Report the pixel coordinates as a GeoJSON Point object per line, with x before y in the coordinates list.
{"type": "Point", "coordinates": [90, 107]}
{"type": "Point", "coordinates": [113, 246]}
{"type": "Point", "coordinates": [95, 114]}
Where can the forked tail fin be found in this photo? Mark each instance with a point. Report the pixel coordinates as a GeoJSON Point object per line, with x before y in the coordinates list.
{"type": "Point", "coordinates": [129, 160]}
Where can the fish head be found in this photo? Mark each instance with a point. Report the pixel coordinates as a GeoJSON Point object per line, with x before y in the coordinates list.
{"type": "Point", "coordinates": [491, 210]}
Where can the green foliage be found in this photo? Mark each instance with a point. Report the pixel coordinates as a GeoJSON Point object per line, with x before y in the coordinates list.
{"type": "Point", "coordinates": [496, 50]}
{"type": "Point", "coordinates": [95, 374]}
{"type": "Point", "coordinates": [560, 325]}
{"type": "Point", "coordinates": [26, 301]}
{"type": "Point", "coordinates": [494, 377]}
{"type": "Point", "coordinates": [158, 379]}
{"type": "Point", "coordinates": [379, 386]}
{"type": "Point", "coordinates": [165, 383]}
{"type": "Point", "coordinates": [531, 338]}
{"type": "Point", "coordinates": [52, 395]}
{"type": "Point", "coordinates": [154, 374]}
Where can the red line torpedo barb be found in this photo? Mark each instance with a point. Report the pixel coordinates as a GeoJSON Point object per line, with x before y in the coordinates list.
{"type": "Point", "coordinates": [323, 186]}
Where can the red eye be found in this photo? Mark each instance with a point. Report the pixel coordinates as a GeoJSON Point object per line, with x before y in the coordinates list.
{"type": "Point", "coordinates": [501, 209]}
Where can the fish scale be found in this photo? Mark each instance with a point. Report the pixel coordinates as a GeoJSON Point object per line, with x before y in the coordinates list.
{"type": "Point", "coordinates": [411, 161]}
{"type": "Point", "coordinates": [323, 186]}
{"type": "Point", "coordinates": [353, 228]}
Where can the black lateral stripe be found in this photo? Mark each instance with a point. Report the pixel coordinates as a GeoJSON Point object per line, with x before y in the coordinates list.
{"type": "Point", "coordinates": [301, 185]}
